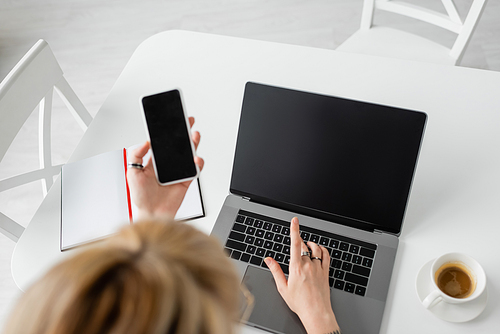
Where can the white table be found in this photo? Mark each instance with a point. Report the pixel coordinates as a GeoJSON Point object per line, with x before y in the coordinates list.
{"type": "Point", "coordinates": [455, 201]}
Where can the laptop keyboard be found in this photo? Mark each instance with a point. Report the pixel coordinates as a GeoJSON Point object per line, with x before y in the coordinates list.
{"type": "Point", "coordinates": [254, 237]}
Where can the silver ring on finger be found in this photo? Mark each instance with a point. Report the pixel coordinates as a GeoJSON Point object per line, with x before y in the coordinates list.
{"type": "Point", "coordinates": [308, 254]}
{"type": "Point", "coordinates": [134, 165]}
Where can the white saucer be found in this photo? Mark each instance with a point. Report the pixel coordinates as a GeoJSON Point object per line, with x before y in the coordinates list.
{"type": "Point", "coordinates": [449, 312]}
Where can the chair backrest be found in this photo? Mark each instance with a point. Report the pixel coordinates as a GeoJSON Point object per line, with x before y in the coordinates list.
{"type": "Point", "coordinates": [450, 21]}
{"type": "Point", "coordinates": [31, 83]}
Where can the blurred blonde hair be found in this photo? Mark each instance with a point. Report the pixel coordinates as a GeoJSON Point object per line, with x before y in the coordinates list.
{"type": "Point", "coordinates": [150, 278]}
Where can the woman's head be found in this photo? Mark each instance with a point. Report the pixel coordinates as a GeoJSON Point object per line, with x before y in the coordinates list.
{"type": "Point", "coordinates": [150, 278]}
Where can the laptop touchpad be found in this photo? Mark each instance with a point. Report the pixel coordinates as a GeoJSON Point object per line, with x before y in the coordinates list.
{"type": "Point", "coordinates": [270, 310]}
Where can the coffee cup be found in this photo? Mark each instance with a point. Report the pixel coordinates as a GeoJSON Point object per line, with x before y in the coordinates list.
{"type": "Point", "coordinates": [456, 278]}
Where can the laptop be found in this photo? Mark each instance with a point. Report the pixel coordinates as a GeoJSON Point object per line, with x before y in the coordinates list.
{"type": "Point", "coordinates": [345, 169]}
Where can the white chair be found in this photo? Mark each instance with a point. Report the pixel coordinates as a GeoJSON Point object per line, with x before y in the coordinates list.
{"type": "Point", "coordinates": [387, 42]}
{"type": "Point", "coordinates": [31, 83]}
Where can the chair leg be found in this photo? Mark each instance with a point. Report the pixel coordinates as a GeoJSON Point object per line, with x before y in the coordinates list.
{"type": "Point", "coordinates": [73, 103]}
{"type": "Point", "coordinates": [10, 228]}
{"type": "Point", "coordinates": [44, 140]}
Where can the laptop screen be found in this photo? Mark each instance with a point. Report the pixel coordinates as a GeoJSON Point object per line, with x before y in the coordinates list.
{"type": "Point", "coordinates": [341, 160]}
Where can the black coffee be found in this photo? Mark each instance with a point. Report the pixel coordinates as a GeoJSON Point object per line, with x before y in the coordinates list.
{"type": "Point", "coordinates": [455, 282]}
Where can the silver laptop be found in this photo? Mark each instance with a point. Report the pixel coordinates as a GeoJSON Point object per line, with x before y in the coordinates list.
{"type": "Point", "coordinates": [345, 169]}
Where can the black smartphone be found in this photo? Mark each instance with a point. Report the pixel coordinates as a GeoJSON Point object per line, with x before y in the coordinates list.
{"type": "Point", "coordinates": [170, 137]}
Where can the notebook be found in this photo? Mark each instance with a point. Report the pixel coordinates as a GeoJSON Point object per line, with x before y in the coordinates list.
{"type": "Point", "coordinates": [96, 202]}
{"type": "Point", "coordinates": [345, 169]}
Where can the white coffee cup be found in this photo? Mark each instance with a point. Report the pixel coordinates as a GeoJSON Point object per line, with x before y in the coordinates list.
{"type": "Point", "coordinates": [450, 283]}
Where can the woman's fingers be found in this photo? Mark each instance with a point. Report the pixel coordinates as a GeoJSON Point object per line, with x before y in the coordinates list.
{"type": "Point", "coordinates": [316, 252]}
{"type": "Point", "coordinates": [296, 244]}
{"type": "Point", "coordinates": [136, 155]}
{"type": "Point", "coordinates": [279, 276]}
{"type": "Point", "coordinates": [200, 162]}
{"type": "Point", "coordinates": [195, 137]}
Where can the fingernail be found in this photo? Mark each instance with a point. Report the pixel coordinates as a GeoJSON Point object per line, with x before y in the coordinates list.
{"type": "Point", "coordinates": [267, 260]}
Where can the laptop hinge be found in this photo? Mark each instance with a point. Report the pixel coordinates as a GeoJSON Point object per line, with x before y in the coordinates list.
{"type": "Point", "coordinates": [384, 232]}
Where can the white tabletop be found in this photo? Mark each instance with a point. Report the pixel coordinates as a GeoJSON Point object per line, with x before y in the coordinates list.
{"type": "Point", "coordinates": [454, 205]}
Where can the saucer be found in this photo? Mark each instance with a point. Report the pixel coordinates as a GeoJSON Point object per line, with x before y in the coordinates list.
{"type": "Point", "coordinates": [449, 312]}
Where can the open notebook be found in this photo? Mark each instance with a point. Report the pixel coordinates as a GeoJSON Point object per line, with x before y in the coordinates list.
{"type": "Point", "coordinates": [96, 200]}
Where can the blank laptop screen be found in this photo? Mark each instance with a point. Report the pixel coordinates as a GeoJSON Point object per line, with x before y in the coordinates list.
{"type": "Point", "coordinates": [328, 157]}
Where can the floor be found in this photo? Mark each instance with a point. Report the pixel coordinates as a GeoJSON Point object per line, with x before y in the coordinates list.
{"type": "Point", "coordinates": [93, 40]}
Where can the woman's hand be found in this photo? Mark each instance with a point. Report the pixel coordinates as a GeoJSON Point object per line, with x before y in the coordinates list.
{"type": "Point", "coordinates": [153, 199]}
{"type": "Point", "coordinates": [306, 291]}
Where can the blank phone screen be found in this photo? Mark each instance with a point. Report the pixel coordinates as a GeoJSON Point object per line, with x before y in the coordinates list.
{"type": "Point", "coordinates": [169, 136]}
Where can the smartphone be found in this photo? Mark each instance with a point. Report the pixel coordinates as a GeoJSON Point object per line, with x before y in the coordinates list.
{"type": "Point", "coordinates": [170, 137]}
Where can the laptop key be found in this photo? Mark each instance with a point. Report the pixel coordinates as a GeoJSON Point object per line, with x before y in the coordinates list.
{"type": "Point", "coordinates": [245, 257]}
{"type": "Point", "coordinates": [336, 254]}
{"type": "Point", "coordinates": [249, 221]}
{"type": "Point", "coordinates": [356, 259]}
{"type": "Point", "coordinates": [285, 231]}
{"type": "Point", "coordinates": [346, 257]}
{"type": "Point", "coordinates": [361, 270]}
{"type": "Point", "coordinates": [284, 267]}
{"type": "Point", "coordinates": [367, 252]}
{"type": "Point", "coordinates": [267, 226]}
{"type": "Point", "coordinates": [347, 266]}
{"type": "Point", "coordinates": [280, 257]}
{"type": "Point", "coordinates": [236, 236]}
{"type": "Point", "coordinates": [278, 238]}
{"type": "Point", "coordinates": [270, 253]}
{"type": "Point", "coordinates": [286, 249]}
{"type": "Point", "coordinates": [258, 224]}
{"type": "Point", "coordinates": [330, 280]}
{"type": "Point", "coordinates": [251, 249]}
{"type": "Point", "coordinates": [236, 255]}
{"type": "Point", "coordinates": [305, 236]}
{"type": "Point", "coordinates": [250, 230]}
{"type": "Point", "coordinates": [339, 274]}
{"type": "Point", "coordinates": [339, 284]}
{"type": "Point", "coordinates": [260, 252]}
{"type": "Point", "coordinates": [259, 242]}
{"type": "Point", "coordinates": [367, 262]}
{"type": "Point", "coordinates": [276, 228]}
{"type": "Point", "coordinates": [361, 291]}
{"type": "Point", "coordinates": [235, 245]}
{"type": "Point", "coordinates": [239, 227]}
{"type": "Point", "coordinates": [360, 280]}
{"type": "Point", "coordinates": [269, 235]}
{"type": "Point", "coordinates": [334, 244]}
{"type": "Point", "coordinates": [256, 260]}
{"type": "Point", "coordinates": [344, 246]}
{"type": "Point", "coordinates": [286, 240]}
{"type": "Point", "coordinates": [249, 239]}
{"type": "Point", "coordinates": [354, 249]}
{"type": "Point", "coordinates": [349, 287]}
{"type": "Point", "coordinates": [277, 247]}
{"type": "Point", "coordinates": [268, 244]}
{"type": "Point", "coordinates": [337, 264]}
{"type": "Point", "coordinates": [324, 241]}
{"type": "Point", "coordinates": [314, 238]}
{"type": "Point", "coordinates": [260, 233]}
{"type": "Point", "coordinates": [240, 219]}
